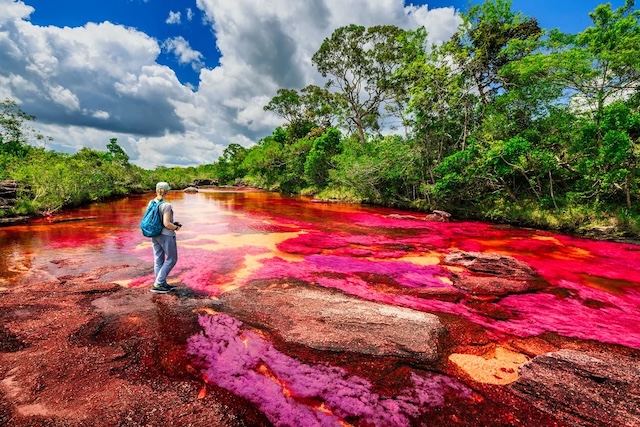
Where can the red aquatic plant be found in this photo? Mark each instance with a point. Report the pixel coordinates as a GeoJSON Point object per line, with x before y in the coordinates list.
{"type": "Point", "coordinates": [290, 392]}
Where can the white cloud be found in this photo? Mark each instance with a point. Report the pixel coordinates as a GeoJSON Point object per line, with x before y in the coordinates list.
{"type": "Point", "coordinates": [64, 97]}
{"type": "Point", "coordinates": [189, 14]}
{"type": "Point", "coordinates": [180, 47]}
{"type": "Point", "coordinates": [100, 114]}
{"type": "Point", "coordinates": [439, 22]}
{"type": "Point", "coordinates": [11, 12]}
{"type": "Point", "coordinates": [91, 83]}
{"type": "Point", "coordinates": [174, 18]}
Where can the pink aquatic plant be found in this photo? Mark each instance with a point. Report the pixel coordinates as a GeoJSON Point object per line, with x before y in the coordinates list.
{"type": "Point", "coordinates": [292, 393]}
{"type": "Point", "coordinates": [592, 293]}
{"type": "Point", "coordinates": [588, 314]}
{"type": "Point", "coordinates": [315, 266]}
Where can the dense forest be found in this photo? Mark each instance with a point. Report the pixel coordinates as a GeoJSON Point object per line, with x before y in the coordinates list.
{"type": "Point", "coordinates": [506, 122]}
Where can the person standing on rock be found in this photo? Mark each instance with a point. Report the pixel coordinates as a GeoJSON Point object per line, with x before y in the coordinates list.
{"type": "Point", "coordinates": [165, 248]}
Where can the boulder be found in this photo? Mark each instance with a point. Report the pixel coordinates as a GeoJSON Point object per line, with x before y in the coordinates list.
{"type": "Point", "coordinates": [326, 319]}
{"type": "Point", "coordinates": [491, 263]}
{"type": "Point", "coordinates": [495, 285]}
{"type": "Point", "coordinates": [440, 216]}
{"type": "Point", "coordinates": [399, 216]}
{"type": "Point", "coordinates": [190, 190]}
{"type": "Point", "coordinates": [497, 274]}
{"type": "Point", "coordinates": [583, 389]}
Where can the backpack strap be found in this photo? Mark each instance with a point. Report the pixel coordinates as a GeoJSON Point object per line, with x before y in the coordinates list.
{"type": "Point", "coordinates": [158, 207]}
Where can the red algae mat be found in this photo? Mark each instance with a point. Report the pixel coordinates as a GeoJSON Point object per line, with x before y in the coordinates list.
{"type": "Point", "coordinates": [295, 313]}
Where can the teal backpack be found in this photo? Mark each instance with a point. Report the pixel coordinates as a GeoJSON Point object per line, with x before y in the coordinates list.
{"type": "Point", "coordinates": [151, 224]}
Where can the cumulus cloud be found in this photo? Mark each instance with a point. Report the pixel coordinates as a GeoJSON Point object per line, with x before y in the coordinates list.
{"type": "Point", "coordinates": [174, 18]}
{"type": "Point", "coordinates": [180, 47]}
{"type": "Point", "coordinates": [101, 80]}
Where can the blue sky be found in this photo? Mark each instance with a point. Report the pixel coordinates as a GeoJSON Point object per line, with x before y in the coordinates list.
{"type": "Point", "coordinates": [177, 82]}
{"type": "Point", "coordinates": [151, 17]}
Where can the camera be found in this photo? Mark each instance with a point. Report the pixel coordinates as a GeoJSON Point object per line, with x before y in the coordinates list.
{"type": "Point", "coordinates": [177, 224]}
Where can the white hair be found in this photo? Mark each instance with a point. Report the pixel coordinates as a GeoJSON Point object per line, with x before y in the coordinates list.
{"type": "Point", "coordinates": [162, 185]}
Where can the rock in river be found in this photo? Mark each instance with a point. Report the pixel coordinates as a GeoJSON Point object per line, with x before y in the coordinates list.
{"type": "Point", "coordinates": [493, 274]}
{"type": "Point", "coordinates": [326, 319]}
{"type": "Point", "coordinates": [491, 263]}
{"type": "Point", "coordinates": [583, 389]}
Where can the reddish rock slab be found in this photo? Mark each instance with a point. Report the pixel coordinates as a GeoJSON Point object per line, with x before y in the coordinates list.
{"type": "Point", "coordinates": [441, 294]}
{"type": "Point", "coordinates": [326, 319]}
{"type": "Point", "coordinates": [494, 285]}
{"type": "Point", "coordinates": [491, 263]}
{"type": "Point", "coordinates": [80, 352]}
{"type": "Point", "coordinates": [583, 389]}
{"type": "Point", "coordinates": [493, 274]}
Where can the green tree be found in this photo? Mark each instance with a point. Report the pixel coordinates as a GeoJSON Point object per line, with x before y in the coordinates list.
{"type": "Point", "coordinates": [363, 63]}
{"type": "Point", "coordinates": [287, 104]}
{"type": "Point", "coordinates": [318, 161]}
{"type": "Point", "coordinates": [312, 107]}
{"type": "Point", "coordinates": [14, 133]}
{"type": "Point", "coordinates": [116, 153]}
{"type": "Point", "coordinates": [229, 165]}
{"type": "Point", "coordinates": [441, 106]}
{"type": "Point", "coordinates": [607, 155]}
{"type": "Point", "coordinates": [490, 37]}
{"type": "Point", "coordinates": [600, 64]}
{"type": "Point", "coordinates": [265, 162]}
{"type": "Point", "coordinates": [382, 170]}
{"type": "Point", "coordinates": [325, 108]}
{"type": "Point", "coordinates": [462, 179]}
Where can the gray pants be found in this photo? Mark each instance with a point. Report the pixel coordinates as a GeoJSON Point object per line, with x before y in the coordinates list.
{"type": "Point", "coordinates": [165, 253]}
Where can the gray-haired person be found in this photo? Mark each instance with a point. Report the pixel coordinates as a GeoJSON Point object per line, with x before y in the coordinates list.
{"type": "Point", "coordinates": [165, 249]}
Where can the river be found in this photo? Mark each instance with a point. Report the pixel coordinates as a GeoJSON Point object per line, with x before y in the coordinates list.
{"type": "Point", "coordinates": [526, 292]}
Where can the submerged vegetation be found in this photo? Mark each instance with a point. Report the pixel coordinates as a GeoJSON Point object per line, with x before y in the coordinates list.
{"type": "Point", "coordinates": [506, 121]}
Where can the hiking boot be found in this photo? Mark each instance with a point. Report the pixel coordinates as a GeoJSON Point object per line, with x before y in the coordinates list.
{"type": "Point", "coordinates": [161, 289]}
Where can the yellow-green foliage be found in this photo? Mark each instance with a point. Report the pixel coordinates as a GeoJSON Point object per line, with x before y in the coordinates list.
{"type": "Point", "coordinates": [49, 181]}
{"type": "Point", "coordinates": [343, 194]}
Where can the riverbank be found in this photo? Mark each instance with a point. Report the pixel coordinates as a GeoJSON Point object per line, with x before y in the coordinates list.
{"type": "Point", "coordinates": [598, 226]}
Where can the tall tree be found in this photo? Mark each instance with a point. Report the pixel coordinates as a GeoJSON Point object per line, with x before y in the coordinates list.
{"type": "Point", "coordinates": [14, 132]}
{"type": "Point", "coordinates": [324, 107]}
{"type": "Point", "coordinates": [116, 153]}
{"type": "Point", "coordinates": [229, 165]}
{"type": "Point", "coordinates": [287, 104]}
{"type": "Point", "coordinates": [490, 37]}
{"type": "Point", "coordinates": [312, 107]}
{"type": "Point", "coordinates": [363, 63]}
{"type": "Point", "coordinates": [601, 64]}
{"type": "Point", "coordinates": [607, 155]}
{"type": "Point", "coordinates": [440, 104]}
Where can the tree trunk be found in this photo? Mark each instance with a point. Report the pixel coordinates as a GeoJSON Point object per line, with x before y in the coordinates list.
{"type": "Point", "coordinates": [361, 133]}
{"type": "Point", "coordinates": [627, 189]}
{"type": "Point", "coordinates": [8, 194]}
{"type": "Point", "coordinates": [551, 190]}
